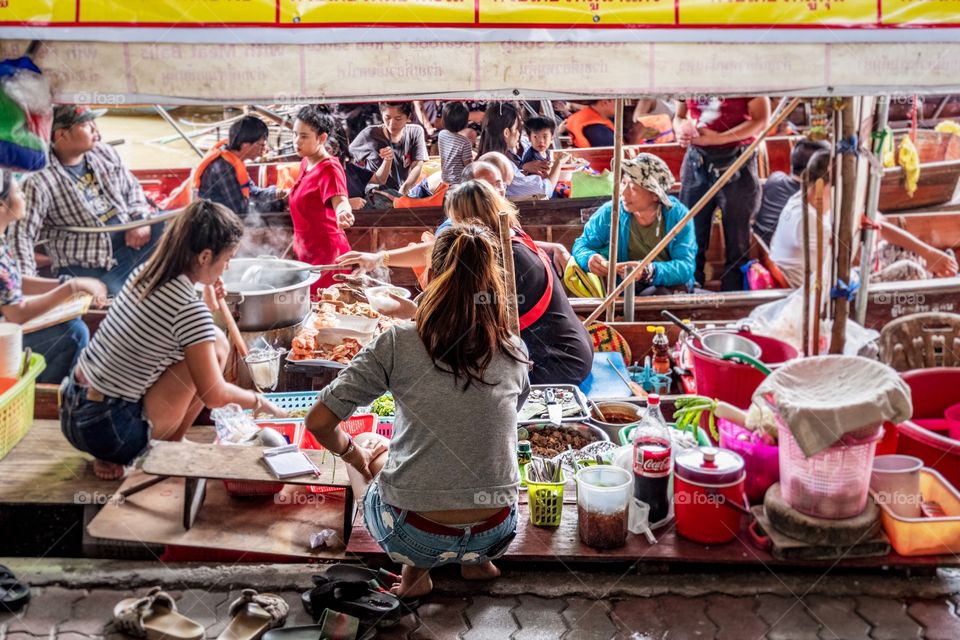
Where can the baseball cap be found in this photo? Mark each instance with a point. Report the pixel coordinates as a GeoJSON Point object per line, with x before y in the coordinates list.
{"type": "Point", "coordinates": [68, 115]}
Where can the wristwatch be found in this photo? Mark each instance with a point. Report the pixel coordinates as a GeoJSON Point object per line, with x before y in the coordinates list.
{"type": "Point", "coordinates": [347, 451]}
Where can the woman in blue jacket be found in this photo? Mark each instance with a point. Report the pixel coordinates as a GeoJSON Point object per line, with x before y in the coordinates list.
{"type": "Point", "coordinates": [647, 214]}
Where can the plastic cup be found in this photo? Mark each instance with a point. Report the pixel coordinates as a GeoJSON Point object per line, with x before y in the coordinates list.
{"type": "Point", "coordinates": [952, 414]}
{"type": "Point", "coordinates": [11, 349]}
{"type": "Point", "coordinates": [896, 481]}
{"type": "Point", "coordinates": [603, 500]}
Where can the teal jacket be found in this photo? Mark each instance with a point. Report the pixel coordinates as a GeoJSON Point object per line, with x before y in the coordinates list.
{"type": "Point", "coordinates": [676, 271]}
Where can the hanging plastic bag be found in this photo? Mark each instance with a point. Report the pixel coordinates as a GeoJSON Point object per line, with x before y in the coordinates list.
{"type": "Point", "coordinates": [26, 115]}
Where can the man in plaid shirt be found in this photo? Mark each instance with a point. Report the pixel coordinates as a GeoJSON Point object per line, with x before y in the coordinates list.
{"type": "Point", "coordinates": [84, 185]}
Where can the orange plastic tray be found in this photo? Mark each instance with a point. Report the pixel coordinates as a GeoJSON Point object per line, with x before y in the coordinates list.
{"type": "Point", "coordinates": [927, 536]}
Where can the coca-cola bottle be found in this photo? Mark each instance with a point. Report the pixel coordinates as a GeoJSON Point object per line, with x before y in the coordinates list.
{"type": "Point", "coordinates": [652, 460]}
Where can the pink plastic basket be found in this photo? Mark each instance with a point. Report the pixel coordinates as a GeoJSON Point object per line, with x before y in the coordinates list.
{"type": "Point", "coordinates": [761, 461]}
{"type": "Point", "coordinates": [830, 484]}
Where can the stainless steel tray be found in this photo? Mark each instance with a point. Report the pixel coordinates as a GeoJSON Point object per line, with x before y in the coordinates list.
{"type": "Point", "coordinates": [575, 409]}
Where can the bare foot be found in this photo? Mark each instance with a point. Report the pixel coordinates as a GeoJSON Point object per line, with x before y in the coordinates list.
{"type": "Point", "coordinates": [413, 583]}
{"type": "Point", "coordinates": [484, 571]}
{"type": "Point", "coordinates": [108, 470]}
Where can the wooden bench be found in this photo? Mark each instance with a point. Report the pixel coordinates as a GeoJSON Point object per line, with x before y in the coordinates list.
{"type": "Point", "coordinates": [198, 463]}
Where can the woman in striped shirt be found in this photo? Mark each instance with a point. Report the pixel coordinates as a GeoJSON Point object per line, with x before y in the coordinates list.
{"type": "Point", "coordinates": [157, 359]}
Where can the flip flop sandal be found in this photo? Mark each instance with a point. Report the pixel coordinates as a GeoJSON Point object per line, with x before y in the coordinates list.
{"type": "Point", "coordinates": [378, 579]}
{"type": "Point", "coordinates": [5, 573]}
{"type": "Point", "coordinates": [253, 614]}
{"type": "Point", "coordinates": [353, 597]}
{"type": "Point", "coordinates": [333, 625]}
{"type": "Point", "coordinates": [154, 617]}
{"type": "Point", "coordinates": [14, 596]}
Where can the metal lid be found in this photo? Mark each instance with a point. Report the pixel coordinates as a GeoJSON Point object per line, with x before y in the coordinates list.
{"type": "Point", "coordinates": [709, 465]}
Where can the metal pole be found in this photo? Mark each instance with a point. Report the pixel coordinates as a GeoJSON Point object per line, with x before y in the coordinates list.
{"type": "Point", "coordinates": [176, 127]}
{"type": "Point", "coordinates": [615, 213]}
{"type": "Point", "coordinates": [873, 202]}
{"type": "Point", "coordinates": [775, 120]}
{"type": "Point", "coordinates": [848, 162]}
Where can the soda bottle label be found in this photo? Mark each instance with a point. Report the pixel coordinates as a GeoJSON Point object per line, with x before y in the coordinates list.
{"type": "Point", "coordinates": [652, 460]}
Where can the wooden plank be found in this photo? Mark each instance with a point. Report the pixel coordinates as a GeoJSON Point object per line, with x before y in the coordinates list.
{"type": "Point", "coordinates": [222, 462]}
{"type": "Point", "coordinates": [279, 525]}
{"type": "Point", "coordinates": [45, 469]}
{"type": "Point", "coordinates": [563, 544]}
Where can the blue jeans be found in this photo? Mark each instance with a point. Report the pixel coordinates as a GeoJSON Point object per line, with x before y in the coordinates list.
{"type": "Point", "coordinates": [114, 430]}
{"type": "Point", "coordinates": [739, 201]}
{"type": "Point", "coordinates": [128, 259]}
{"type": "Point", "coordinates": [60, 345]}
{"type": "Point", "coordinates": [410, 546]}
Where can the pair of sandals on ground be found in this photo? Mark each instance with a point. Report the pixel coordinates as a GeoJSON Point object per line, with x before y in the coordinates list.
{"type": "Point", "coordinates": [347, 602]}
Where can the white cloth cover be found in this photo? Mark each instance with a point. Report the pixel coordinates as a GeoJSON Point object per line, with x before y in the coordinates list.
{"type": "Point", "coordinates": [823, 398]}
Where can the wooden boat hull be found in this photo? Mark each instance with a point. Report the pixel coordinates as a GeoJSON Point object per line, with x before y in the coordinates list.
{"type": "Point", "coordinates": [939, 174]}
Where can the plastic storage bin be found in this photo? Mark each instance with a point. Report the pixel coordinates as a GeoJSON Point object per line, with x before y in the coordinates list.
{"type": "Point", "coordinates": [927, 536]}
{"type": "Point", "coordinates": [833, 483]}
{"type": "Point", "coordinates": [761, 460]}
{"type": "Point", "coordinates": [546, 502]}
{"type": "Point", "coordinates": [16, 406]}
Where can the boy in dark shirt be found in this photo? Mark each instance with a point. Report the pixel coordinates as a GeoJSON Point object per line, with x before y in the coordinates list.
{"type": "Point", "coordinates": [536, 159]}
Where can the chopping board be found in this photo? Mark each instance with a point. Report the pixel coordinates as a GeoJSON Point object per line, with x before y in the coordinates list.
{"type": "Point", "coordinates": [783, 547]}
{"type": "Point", "coordinates": [819, 531]}
{"type": "Point", "coordinates": [603, 383]}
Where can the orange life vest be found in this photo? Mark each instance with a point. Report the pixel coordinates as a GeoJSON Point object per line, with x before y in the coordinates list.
{"type": "Point", "coordinates": [582, 119]}
{"type": "Point", "coordinates": [219, 151]}
{"type": "Point", "coordinates": [436, 200]}
{"type": "Point", "coordinates": [664, 126]}
{"type": "Point", "coordinates": [184, 194]}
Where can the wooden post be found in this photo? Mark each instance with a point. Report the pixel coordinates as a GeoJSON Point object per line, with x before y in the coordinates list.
{"type": "Point", "coordinates": [173, 123]}
{"type": "Point", "coordinates": [615, 213]}
{"type": "Point", "coordinates": [818, 266]}
{"type": "Point", "coordinates": [509, 274]}
{"type": "Point", "coordinates": [717, 186]}
{"type": "Point", "coordinates": [843, 242]}
{"type": "Point", "coordinates": [804, 206]}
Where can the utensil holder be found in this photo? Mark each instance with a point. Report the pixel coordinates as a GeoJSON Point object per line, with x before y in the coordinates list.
{"type": "Point", "coordinates": [546, 502]}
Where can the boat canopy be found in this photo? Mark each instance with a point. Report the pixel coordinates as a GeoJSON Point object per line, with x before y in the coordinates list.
{"type": "Point", "coordinates": [115, 52]}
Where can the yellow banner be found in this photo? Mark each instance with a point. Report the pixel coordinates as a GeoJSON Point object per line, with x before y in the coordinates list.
{"type": "Point", "coordinates": [921, 11]}
{"type": "Point", "coordinates": [778, 12]}
{"type": "Point", "coordinates": [212, 13]}
{"type": "Point", "coordinates": [37, 11]}
{"type": "Point", "coordinates": [578, 12]}
{"type": "Point", "coordinates": [375, 12]}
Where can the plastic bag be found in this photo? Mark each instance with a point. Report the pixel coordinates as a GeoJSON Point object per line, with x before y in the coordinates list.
{"type": "Point", "coordinates": [233, 425]}
{"type": "Point", "coordinates": [586, 185]}
{"type": "Point", "coordinates": [783, 319]}
{"type": "Point", "coordinates": [26, 115]}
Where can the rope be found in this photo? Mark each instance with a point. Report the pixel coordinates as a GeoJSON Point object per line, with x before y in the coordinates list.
{"type": "Point", "coordinates": [843, 290]}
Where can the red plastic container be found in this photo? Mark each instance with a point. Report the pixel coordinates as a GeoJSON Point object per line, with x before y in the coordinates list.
{"type": "Point", "coordinates": [952, 415]}
{"type": "Point", "coordinates": [251, 488]}
{"type": "Point", "coordinates": [924, 435]}
{"type": "Point", "coordinates": [708, 495]}
{"type": "Point", "coordinates": [354, 426]}
{"type": "Point", "coordinates": [734, 382]}
{"type": "Point", "coordinates": [761, 461]}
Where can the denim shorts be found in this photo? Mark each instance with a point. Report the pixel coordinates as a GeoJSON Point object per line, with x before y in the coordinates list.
{"type": "Point", "coordinates": [410, 546]}
{"type": "Point", "coordinates": [114, 430]}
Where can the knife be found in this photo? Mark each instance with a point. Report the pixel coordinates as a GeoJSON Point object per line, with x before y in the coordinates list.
{"type": "Point", "coordinates": [554, 409]}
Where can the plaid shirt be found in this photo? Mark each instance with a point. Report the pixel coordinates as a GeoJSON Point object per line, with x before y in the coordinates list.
{"type": "Point", "coordinates": [219, 184]}
{"type": "Point", "coordinates": [53, 200]}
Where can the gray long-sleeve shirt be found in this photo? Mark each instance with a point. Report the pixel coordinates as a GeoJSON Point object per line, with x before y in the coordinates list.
{"type": "Point", "coordinates": [451, 449]}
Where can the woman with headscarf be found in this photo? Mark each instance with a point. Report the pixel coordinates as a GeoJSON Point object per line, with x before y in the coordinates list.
{"type": "Point", "coordinates": [647, 214]}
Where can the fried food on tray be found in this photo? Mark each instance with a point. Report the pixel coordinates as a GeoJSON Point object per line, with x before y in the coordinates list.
{"type": "Point", "coordinates": [547, 442]}
{"type": "Point", "coordinates": [305, 347]}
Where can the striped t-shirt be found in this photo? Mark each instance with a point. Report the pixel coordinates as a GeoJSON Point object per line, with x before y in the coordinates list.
{"type": "Point", "coordinates": [140, 339]}
{"type": "Point", "coordinates": [456, 152]}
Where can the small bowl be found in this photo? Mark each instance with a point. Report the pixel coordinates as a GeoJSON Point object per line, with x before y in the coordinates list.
{"type": "Point", "coordinates": [624, 409]}
{"type": "Point", "coordinates": [377, 296]}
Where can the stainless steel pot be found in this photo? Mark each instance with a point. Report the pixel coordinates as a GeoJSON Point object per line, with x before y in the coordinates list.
{"type": "Point", "coordinates": [264, 299]}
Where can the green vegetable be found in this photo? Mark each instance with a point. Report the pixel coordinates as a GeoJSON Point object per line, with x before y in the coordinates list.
{"type": "Point", "coordinates": [384, 405]}
{"type": "Point", "coordinates": [688, 411]}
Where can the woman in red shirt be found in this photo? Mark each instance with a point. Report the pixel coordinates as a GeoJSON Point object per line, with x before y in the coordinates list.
{"type": "Point", "coordinates": [319, 205]}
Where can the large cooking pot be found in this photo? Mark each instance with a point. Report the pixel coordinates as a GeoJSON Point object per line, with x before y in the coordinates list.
{"type": "Point", "coordinates": [268, 298]}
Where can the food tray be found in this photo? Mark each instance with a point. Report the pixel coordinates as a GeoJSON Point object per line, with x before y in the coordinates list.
{"type": "Point", "coordinates": [577, 402]}
{"type": "Point", "coordinates": [315, 362]}
{"type": "Point", "coordinates": [926, 536]}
